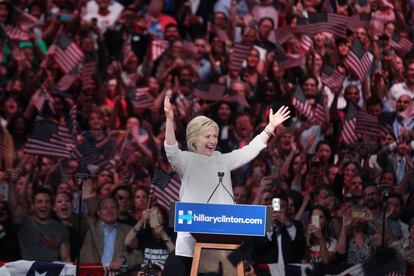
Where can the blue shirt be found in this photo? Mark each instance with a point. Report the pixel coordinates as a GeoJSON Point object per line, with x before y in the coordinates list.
{"type": "Point", "coordinates": [109, 243]}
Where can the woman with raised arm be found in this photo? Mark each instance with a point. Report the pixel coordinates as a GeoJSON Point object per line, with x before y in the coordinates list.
{"type": "Point", "coordinates": [198, 168]}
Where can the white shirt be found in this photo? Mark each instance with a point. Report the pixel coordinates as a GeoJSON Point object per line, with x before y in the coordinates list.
{"type": "Point", "coordinates": [103, 21]}
{"type": "Point", "coordinates": [198, 174]}
{"type": "Point", "coordinates": [92, 7]}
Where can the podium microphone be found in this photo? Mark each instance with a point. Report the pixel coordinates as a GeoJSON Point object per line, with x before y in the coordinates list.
{"type": "Point", "coordinates": [220, 182]}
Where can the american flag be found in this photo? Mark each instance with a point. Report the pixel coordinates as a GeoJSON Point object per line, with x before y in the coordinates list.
{"type": "Point", "coordinates": [361, 20]}
{"type": "Point", "coordinates": [66, 53]}
{"type": "Point", "coordinates": [88, 69]}
{"type": "Point", "coordinates": [15, 33]}
{"type": "Point", "coordinates": [332, 77]}
{"type": "Point", "coordinates": [337, 24]}
{"type": "Point", "coordinates": [93, 152]}
{"type": "Point", "coordinates": [287, 61]}
{"type": "Point", "coordinates": [165, 187]}
{"type": "Point", "coordinates": [283, 35]}
{"type": "Point", "coordinates": [240, 52]}
{"type": "Point", "coordinates": [323, 22]}
{"type": "Point", "coordinates": [319, 116]}
{"type": "Point", "coordinates": [348, 129]}
{"type": "Point", "coordinates": [367, 125]}
{"type": "Point", "coordinates": [401, 44]}
{"type": "Point", "coordinates": [72, 122]}
{"type": "Point", "coordinates": [48, 138]}
{"type": "Point", "coordinates": [209, 91]}
{"type": "Point", "coordinates": [127, 147]}
{"type": "Point", "coordinates": [301, 104]}
{"type": "Point", "coordinates": [306, 43]}
{"type": "Point", "coordinates": [158, 47]}
{"type": "Point", "coordinates": [358, 60]}
{"type": "Point", "coordinates": [40, 97]}
{"type": "Point", "coordinates": [66, 81]}
{"type": "Point", "coordinates": [24, 20]}
{"type": "Point", "coordinates": [315, 23]}
{"type": "Point", "coordinates": [143, 99]}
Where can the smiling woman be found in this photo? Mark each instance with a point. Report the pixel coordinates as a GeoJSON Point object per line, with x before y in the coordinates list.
{"type": "Point", "coordinates": [198, 168]}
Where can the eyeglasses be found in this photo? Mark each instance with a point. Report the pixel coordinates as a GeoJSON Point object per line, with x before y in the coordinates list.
{"type": "Point", "coordinates": [370, 194]}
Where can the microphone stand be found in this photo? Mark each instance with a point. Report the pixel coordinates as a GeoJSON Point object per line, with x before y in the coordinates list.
{"type": "Point", "coordinates": [80, 177]}
{"type": "Point", "coordinates": [220, 182]}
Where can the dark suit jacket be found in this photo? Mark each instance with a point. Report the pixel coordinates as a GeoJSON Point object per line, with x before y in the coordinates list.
{"type": "Point", "coordinates": [266, 252]}
{"type": "Point", "coordinates": [93, 244]}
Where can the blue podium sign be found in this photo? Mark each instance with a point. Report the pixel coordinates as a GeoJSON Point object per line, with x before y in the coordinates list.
{"type": "Point", "coordinates": [249, 220]}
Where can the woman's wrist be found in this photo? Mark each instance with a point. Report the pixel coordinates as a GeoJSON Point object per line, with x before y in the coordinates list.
{"type": "Point", "coordinates": [270, 127]}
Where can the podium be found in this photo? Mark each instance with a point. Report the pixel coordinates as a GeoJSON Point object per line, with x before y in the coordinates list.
{"type": "Point", "coordinates": [219, 227]}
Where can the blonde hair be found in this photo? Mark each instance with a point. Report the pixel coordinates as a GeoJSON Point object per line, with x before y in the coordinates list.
{"type": "Point", "coordinates": [195, 128]}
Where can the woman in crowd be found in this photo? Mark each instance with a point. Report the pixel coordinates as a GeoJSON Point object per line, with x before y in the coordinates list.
{"type": "Point", "coordinates": [357, 243]}
{"type": "Point", "coordinates": [150, 235]}
{"type": "Point", "coordinates": [322, 245]}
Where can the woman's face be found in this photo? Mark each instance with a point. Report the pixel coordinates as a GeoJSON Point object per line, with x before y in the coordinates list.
{"type": "Point", "coordinates": [277, 70]}
{"type": "Point", "coordinates": [217, 45]}
{"type": "Point", "coordinates": [270, 91]}
{"type": "Point", "coordinates": [176, 48]}
{"type": "Point", "coordinates": [310, 87]}
{"type": "Point", "coordinates": [106, 189]}
{"type": "Point", "coordinates": [318, 62]}
{"type": "Point", "coordinates": [153, 85]}
{"type": "Point", "coordinates": [132, 64]}
{"type": "Point", "coordinates": [224, 112]}
{"type": "Point", "coordinates": [62, 206]}
{"type": "Point", "coordinates": [207, 141]}
{"type": "Point", "coordinates": [397, 64]}
{"type": "Point", "coordinates": [319, 39]}
{"type": "Point", "coordinates": [95, 121]}
{"type": "Point", "coordinates": [185, 76]}
{"type": "Point", "coordinates": [10, 106]}
{"type": "Point", "coordinates": [141, 200]}
{"type": "Point", "coordinates": [324, 153]}
{"type": "Point", "coordinates": [103, 178]}
{"type": "Point", "coordinates": [343, 49]}
{"type": "Point", "coordinates": [349, 171]}
{"type": "Point", "coordinates": [322, 218]}
{"type": "Point", "coordinates": [298, 163]}
{"type": "Point", "coordinates": [252, 58]}
{"type": "Point", "coordinates": [356, 186]}
{"type": "Point", "coordinates": [20, 184]}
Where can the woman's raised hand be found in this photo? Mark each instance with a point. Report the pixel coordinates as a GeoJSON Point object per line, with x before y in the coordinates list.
{"type": "Point", "coordinates": [169, 113]}
{"type": "Point", "coordinates": [279, 117]}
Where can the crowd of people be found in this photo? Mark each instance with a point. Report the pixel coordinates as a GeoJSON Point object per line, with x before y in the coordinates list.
{"type": "Point", "coordinates": [341, 165]}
